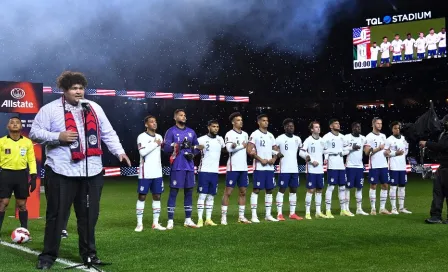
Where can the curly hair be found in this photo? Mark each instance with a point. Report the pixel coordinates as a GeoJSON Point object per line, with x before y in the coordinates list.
{"type": "Point", "coordinates": [68, 78]}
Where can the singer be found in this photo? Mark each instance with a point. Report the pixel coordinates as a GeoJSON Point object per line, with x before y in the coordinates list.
{"type": "Point", "coordinates": [59, 125]}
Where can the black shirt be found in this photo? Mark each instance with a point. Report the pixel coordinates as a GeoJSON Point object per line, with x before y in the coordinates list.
{"type": "Point", "coordinates": [441, 148]}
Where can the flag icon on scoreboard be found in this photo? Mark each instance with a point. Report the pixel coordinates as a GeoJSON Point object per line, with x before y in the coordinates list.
{"type": "Point", "coordinates": [361, 35]}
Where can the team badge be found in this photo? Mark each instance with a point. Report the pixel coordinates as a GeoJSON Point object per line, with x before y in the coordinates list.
{"type": "Point", "coordinates": [309, 183]}
{"type": "Point", "coordinates": [93, 140]}
{"type": "Point", "coordinates": [142, 188]}
{"type": "Point", "coordinates": [174, 182]}
{"type": "Point", "coordinates": [281, 182]}
{"type": "Point", "coordinates": [190, 135]}
{"type": "Point", "coordinates": [332, 179]}
{"type": "Point", "coordinates": [230, 182]}
{"type": "Point", "coordinates": [348, 183]}
{"type": "Point", "coordinates": [372, 179]}
{"type": "Point", "coordinates": [200, 189]}
{"type": "Point", "coordinates": [74, 145]}
{"type": "Point", "coordinates": [258, 183]}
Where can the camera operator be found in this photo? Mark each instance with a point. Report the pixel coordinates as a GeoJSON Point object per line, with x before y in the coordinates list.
{"type": "Point", "coordinates": [440, 186]}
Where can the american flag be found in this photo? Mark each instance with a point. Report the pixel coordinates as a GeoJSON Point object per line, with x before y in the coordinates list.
{"type": "Point", "coordinates": [229, 98]}
{"type": "Point", "coordinates": [138, 94]}
{"type": "Point", "coordinates": [101, 92]}
{"type": "Point", "coordinates": [361, 35]}
{"type": "Point", "coordinates": [186, 96]}
{"type": "Point", "coordinates": [159, 95]}
{"type": "Point", "coordinates": [47, 90]}
{"type": "Point", "coordinates": [208, 97]}
{"type": "Point", "coordinates": [51, 90]}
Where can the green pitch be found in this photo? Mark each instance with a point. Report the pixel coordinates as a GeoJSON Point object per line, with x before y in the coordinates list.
{"type": "Point", "coordinates": [362, 243]}
{"type": "Point", "coordinates": [378, 32]}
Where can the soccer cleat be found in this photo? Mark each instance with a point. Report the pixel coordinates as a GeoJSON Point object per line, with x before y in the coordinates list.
{"type": "Point", "coordinates": [158, 227]}
{"type": "Point", "coordinates": [404, 210]}
{"type": "Point", "coordinates": [224, 221]}
{"type": "Point", "coordinates": [244, 220]}
{"type": "Point", "coordinates": [295, 217]}
{"type": "Point", "coordinates": [321, 215]}
{"type": "Point", "coordinates": [139, 228]}
{"type": "Point", "coordinates": [346, 213]}
{"type": "Point", "coordinates": [361, 212]}
{"type": "Point", "coordinates": [190, 224]}
{"type": "Point", "coordinates": [329, 215]}
{"type": "Point", "coordinates": [255, 220]}
{"type": "Point", "coordinates": [384, 211]}
{"type": "Point", "coordinates": [209, 222]}
{"type": "Point", "coordinates": [200, 223]}
{"type": "Point", "coordinates": [280, 217]}
{"type": "Point", "coordinates": [270, 218]}
{"type": "Point", "coordinates": [64, 234]}
{"type": "Point", "coordinates": [170, 225]}
{"type": "Point", "coordinates": [308, 216]}
{"type": "Point", "coordinates": [394, 211]}
{"type": "Point", "coordinates": [373, 212]}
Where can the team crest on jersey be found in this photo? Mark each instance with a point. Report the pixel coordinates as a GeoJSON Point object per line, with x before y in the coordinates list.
{"type": "Point", "coordinates": [142, 188]}
{"type": "Point", "coordinates": [281, 182]}
{"type": "Point", "coordinates": [230, 182]}
{"type": "Point", "coordinates": [174, 182]}
{"type": "Point", "coordinates": [392, 180]}
{"type": "Point", "coordinates": [372, 179]}
{"type": "Point", "coordinates": [332, 179]}
{"type": "Point", "coordinates": [258, 183]}
{"type": "Point", "coordinates": [348, 183]}
{"type": "Point", "coordinates": [309, 183]}
{"type": "Point", "coordinates": [190, 135]}
{"type": "Point", "coordinates": [200, 189]}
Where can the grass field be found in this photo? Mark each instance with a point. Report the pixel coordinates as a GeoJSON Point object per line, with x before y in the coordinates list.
{"type": "Point", "coordinates": [361, 243]}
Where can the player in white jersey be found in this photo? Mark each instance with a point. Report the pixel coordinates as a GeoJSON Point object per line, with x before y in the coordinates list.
{"type": "Point", "coordinates": [355, 166]}
{"type": "Point", "coordinates": [431, 43]}
{"type": "Point", "coordinates": [378, 152]}
{"type": "Point", "coordinates": [312, 152]}
{"type": "Point", "coordinates": [397, 47]}
{"type": "Point", "coordinates": [263, 143]}
{"type": "Point", "coordinates": [408, 44]}
{"type": "Point", "coordinates": [288, 176]}
{"type": "Point", "coordinates": [385, 48]}
{"type": "Point", "coordinates": [150, 172]}
{"type": "Point", "coordinates": [397, 167]}
{"type": "Point", "coordinates": [442, 43]}
{"type": "Point", "coordinates": [374, 49]}
{"type": "Point", "coordinates": [420, 44]}
{"type": "Point", "coordinates": [208, 172]}
{"type": "Point", "coordinates": [334, 153]}
{"type": "Point", "coordinates": [236, 143]}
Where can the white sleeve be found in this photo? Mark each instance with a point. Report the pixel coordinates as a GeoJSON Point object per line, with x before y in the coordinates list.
{"type": "Point", "coordinates": [304, 150]}
{"type": "Point", "coordinates": [253, 138]}
{"type": "Point", "coordinates": [145, 147]}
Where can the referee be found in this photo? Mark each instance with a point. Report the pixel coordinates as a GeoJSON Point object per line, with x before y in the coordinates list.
{"type": "Point", "coordinates": [16, 155]}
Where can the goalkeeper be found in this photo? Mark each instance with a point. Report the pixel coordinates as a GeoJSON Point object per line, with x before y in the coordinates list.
{"type": "Point", "coordinates": [182, 143]}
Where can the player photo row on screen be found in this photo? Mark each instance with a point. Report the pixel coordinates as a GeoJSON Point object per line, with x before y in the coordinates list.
{"type": "Point", "coordinates": [409, 49]}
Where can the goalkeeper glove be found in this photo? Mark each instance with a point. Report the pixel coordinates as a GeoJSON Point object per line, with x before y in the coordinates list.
{"type": "Point", "coordinates": [185, 144]}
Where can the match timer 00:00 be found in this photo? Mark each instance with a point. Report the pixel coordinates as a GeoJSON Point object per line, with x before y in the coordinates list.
{"type": "Point", "coordinates": [362, 64]}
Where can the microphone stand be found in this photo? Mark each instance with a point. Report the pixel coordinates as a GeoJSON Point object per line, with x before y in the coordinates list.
{"type": "Point", "coordinates": [88, 262]}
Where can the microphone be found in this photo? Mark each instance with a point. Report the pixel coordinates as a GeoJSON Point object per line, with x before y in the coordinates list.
{"type": "Point", "coordinates": [85, 105]}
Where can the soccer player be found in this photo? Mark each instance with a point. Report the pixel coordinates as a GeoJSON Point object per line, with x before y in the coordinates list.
{"type": "Point", "coordinates": [375, 148]}
{"type": "Point", "coordinates": [208, 171]}
{"type": "Point", "coordinates": [409, 47]}
{"type": "Point", "coordinates": [236, 143]}
{"type": "Point", "coordinates": [385, 55]}
{"type": "Point", "coordinates": [288, 144]}
{"type": "Point", "coordinates": [374, 54]}
{"type": "Point", "coordinates": [397, 45]}
{"type": "Point", "coordinates": [312, 152]}
{"type": "Point", "coordinates": [420, 44]}
{"type": "Point", "coordinates": [431, 43]}
{"type": "Point", "coordinates": [150, 172]}
{"type": "Point", "coordinates": [442, 43]}
{"type": "Point", "coordinates": [182, 143]}
{"type": "Point", "coordinates": [263, 143]}
{"type": "Point", "coordinates": [16, 155]}
{"type": "Point", "coordinates": [334, 154]}
{"type": "Point", "coordinates": [398, 148]}
{"type": "Point", "coordinates": [355, 167]}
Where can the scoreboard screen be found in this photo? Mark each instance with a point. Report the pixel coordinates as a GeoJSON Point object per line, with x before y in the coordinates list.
{"type": "Point", "coordinates": [385, 43]}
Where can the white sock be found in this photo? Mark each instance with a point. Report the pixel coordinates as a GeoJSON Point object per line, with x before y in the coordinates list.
{"type": "Point", "coordinates": [223, 212]}
{"type": "Point", "coordinates": [393, 197]}
{"type": "Point", "coordinates": [241, 209]}
{"type": "Point", "coordinates": [292, 203]}
{"type": "Point", "coordinates": [308, 198]}
{"type": "Point", "coordinates": [140, 207]}
{"type": "Point", "coordinates": [209, 207]}
{"type": "Point", "coordinates": [358, 196]}
{"type": "Point", "coordinates": [383, 199]}
{"type": "Point", "coordinates": [401, 195]}
{"type": "Point", "coordinates": [268, 204]}
{"type": "Point", "coordinates": [328, 196]}
{"type": "Point", "coordinates": [254, 204]}
{"type": "Point", "coordinates": [200, 206]}
{"type": "Point", "coordinates": [372, 196]}
{"type": "Point", "coordinates": [155, 211]}
{"type": "Point", "coordinates": [279, 201]}
{"type": "Point", "coordinates": [347, 199]}
{"type": "Point", "coordinates": [341, 194]}
{"type": "Point", "coordinates": [318, 201]}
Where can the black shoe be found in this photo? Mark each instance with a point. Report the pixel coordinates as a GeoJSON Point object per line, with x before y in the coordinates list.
{"type": "Point", "coordinates": [64, 234]}
{"type": "Point", "coordinates": [43, 265]}
{"type": "Point", "coordinates": [94, 260]}
{"type": "Point", "coordinates": [433, 220]}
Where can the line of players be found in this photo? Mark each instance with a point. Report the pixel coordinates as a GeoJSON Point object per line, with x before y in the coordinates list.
{"type": "Point", "coordinates": [398, 46]}
{"type": "Point", "coordinates": [387, 158]}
